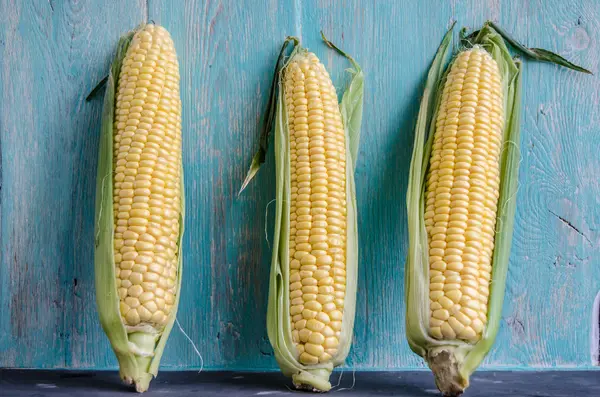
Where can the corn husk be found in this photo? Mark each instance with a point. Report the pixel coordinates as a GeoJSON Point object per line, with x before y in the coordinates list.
{"type": "Point", "coordinates": [308, 377]}
{"type": "Point", "coordinates": [138, 350]}
{"type": "Point", "coordinates": [452, 362]}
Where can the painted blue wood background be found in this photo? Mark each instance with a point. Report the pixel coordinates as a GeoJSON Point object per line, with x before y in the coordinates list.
{"type": "Point", "coordinates": [53, 52]}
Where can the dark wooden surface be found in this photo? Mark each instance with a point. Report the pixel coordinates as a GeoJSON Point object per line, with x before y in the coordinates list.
{"type": "Point", "coordinates": [21, 383]}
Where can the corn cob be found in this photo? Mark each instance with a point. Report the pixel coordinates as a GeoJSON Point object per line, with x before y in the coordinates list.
{"type": "Point", "coordinates": [139, 204]}
{"type": "Point", "coordinates": [461, 203]}
{"type": "Point", "coordinates": [461, 193]}
{"type": "Point", "coordinates": [317, 209]}
{"type": "Point", "coordinates": [311, 313]}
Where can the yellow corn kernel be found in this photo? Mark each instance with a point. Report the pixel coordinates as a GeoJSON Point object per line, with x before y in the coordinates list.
{"type": "Point", "coordinates": [462, 191]}
{"type": "Point", "coordinates": [317, 207]}
{"type": "Point", "coordinates": [147, 189]}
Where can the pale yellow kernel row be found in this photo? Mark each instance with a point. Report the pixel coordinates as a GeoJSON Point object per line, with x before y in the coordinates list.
{"type": "Point", "coordinates": [146, 189]}
{"type": "Point", "coordinates": [317, 210]}
{"type": "Point", "coordinates": [462, 190]}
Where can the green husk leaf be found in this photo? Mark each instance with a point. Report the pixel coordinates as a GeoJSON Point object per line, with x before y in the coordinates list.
{"type": "Point", "coordinates": [259, 157]}
{"type": "Point", "coordinates": [351, 108]}
{"type": "Point", "coordinates": [106, 292]}
{"type": "Point", "coordinates": [462, 34]}
{"type": "Point", "coordinates": [138, 351]}
{"type": "Point", "coordinates": [352, 101]}
{"type": "Point", "coordinates": [538, 54]}
{"type": "Point", "coordinates": [416, 263]}
{"type": "Point", "coordinates": [97, 89]}
{"type": "Point", "coordinates": [311, 377]}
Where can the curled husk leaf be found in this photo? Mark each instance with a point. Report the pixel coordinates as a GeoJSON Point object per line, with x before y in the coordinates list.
{"type": "Point", "coordinates": [139, 349]}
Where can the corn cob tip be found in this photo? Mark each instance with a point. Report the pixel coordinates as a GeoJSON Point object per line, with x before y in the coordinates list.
{"type": "Point", "coordinates": [133, 377]}
{"type": "Point", "coordinates": [445, 368]}
{"type": "Point", "coordinates": [313, 380]}
{"type": "Point", "coordinates": [141, 384]}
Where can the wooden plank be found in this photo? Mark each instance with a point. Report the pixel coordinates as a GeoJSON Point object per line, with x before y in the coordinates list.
{"type": "Point", "coordinates": [226, 51]}
{"type": "Point", "coordinates": [530, 335]}
{"type": "Point", "coordinates": [554, 265]}
{"type": "Point", "coordinates": [52, 54]}
{"type": "Point", "coordinates": [394, 43]}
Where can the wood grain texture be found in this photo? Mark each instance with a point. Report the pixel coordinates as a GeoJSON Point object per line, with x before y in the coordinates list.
{"type": "Point", "coordinates": [225, 77]}
{"type": "Point", "coordinates": [53, 52]}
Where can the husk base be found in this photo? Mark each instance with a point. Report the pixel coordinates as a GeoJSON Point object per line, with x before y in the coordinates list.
{"type": "Point", "coordinates": [446, 368]}
{"type": "Point", "coordinates": [314, 380]}
{"type": "Point", "coordinates": [142, 344]}
{"type": "Point", "coordinates": [141, 382]}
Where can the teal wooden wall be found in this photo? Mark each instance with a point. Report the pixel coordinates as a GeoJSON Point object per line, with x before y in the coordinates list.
{"type": "Point", "coordinates": [53, 52]}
